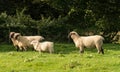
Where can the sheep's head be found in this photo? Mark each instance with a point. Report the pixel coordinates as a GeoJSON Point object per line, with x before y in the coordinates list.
{"type": "Point", "coordinates": [42, 38]}
{"type": "Point", "coordinates": [11, 35]}
{"type": "Point", "coordinates": [73, 34]}
{"type": "Point", "coordinates": [16, 35]}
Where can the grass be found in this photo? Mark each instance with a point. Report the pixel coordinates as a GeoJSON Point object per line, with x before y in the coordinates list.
{"type": "Point", "coordinates": [65, 59]}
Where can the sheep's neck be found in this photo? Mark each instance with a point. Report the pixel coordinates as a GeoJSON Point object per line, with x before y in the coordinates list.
{"type": "Point", "coordinates": [75, 38]}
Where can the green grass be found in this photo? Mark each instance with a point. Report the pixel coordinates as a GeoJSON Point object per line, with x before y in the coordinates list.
{"type": "Point", "coordinates": [65, 59]}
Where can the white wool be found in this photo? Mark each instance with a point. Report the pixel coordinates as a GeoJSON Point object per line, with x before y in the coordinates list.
{"type": "Point", "coordinates": [43, 46]}
{"type": "Point", "coordinates": [87, 41]}
{"type": "Point", "coordinates": [37, 38]}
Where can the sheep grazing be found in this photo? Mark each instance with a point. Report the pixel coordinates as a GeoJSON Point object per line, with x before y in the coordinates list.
{"type": "Point", "coordinates": [43, 46]}
{"type": "Point", "coordinates": [87, 41]}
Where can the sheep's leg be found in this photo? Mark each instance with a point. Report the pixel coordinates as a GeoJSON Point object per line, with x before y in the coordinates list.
{"type": "Point", "coordinates": [51, 50]}
{"type": "Point", "coordinates": [25, 49]}
{"type": "Point", "coordinates": [33, 49]}
{"type": "Point", "coordinates": [102, 50]}
{"type": "Point", "coordinates": [81, 50]}
{"type": "Point", "coordinates": [99, 50]}
{"type": "Point", "coordinates": [17, 48]}
{"type": "Point", "coordinates": [21, 49]}
{"type": "Point", "coordinates": [40, 51]}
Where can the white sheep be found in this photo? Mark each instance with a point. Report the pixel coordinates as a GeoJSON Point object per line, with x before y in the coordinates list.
{"type": "Point", "coordinates": [43, 46]}
{"type": "Point", "coordinates": [87, 41]}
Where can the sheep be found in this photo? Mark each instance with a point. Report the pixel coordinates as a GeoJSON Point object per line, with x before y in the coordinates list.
{"type": "Point", "coordinates": [28, 39]}
{"type": "Point", "coordinates": [19, 44]}
{"type": "Point", "coordinates": [23, 42]}
{"type": "Point", "coordinates": [43, 46]}
{"type": "Point", "coordinates": [87, 41]}
{"type": "Point", "coordinates": [15, 42]}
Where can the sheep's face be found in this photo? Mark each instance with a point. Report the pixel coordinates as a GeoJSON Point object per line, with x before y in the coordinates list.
{"type": "Point", "coordinates": [42, 38]}
{"type": "Point", "coordinates": [16, 35]}
{"type": "Point", "coordinates": [73, 34]}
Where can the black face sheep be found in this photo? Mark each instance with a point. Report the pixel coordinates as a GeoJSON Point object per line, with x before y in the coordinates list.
{"type": "Point", "coordinates": [43, 46]}
{"type": "Point", "coordinates": [87, 41]}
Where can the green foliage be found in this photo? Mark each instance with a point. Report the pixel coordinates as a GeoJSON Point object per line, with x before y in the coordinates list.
{"type": "Point", "coordinates": [54, 29]}
{"type": "Point", "coordinates": [109, 26]}
{"type": "Point", "coordinates": [53, 18]}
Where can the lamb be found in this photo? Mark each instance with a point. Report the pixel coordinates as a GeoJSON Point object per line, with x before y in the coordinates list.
{"type": "Point", "coordinates": [87, 41]}
{"type": "Point", "coordinates": [43, 46]}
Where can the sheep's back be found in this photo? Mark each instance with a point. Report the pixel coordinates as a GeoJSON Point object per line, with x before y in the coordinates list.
{"type": "Point", "coordinates": [91, 41]}
{"type": "Point", "coordinates": [45, 45]}
{"type": "Point", "coordinates": [31, 38]}
{"type": "Point", "coordinates": [87, 42]}
{"type": "Point", "coordinates": [24, 41]}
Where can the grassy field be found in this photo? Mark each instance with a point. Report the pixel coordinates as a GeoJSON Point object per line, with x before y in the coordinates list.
{"type": "Point", "coordinates": [65, 59]}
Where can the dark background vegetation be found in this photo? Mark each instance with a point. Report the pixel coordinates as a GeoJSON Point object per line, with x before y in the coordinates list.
{"type": "Point", "coordinates": [54, 19]}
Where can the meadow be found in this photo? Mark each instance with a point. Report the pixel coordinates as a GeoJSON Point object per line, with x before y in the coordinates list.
{"type": "Point", "coordinates": [65, 59]}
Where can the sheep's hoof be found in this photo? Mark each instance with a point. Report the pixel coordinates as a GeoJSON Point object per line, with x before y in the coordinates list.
{"type": "Point", "coordinates": [81, 52]}
{"type": "Point", "coordinates": [102, 51]}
